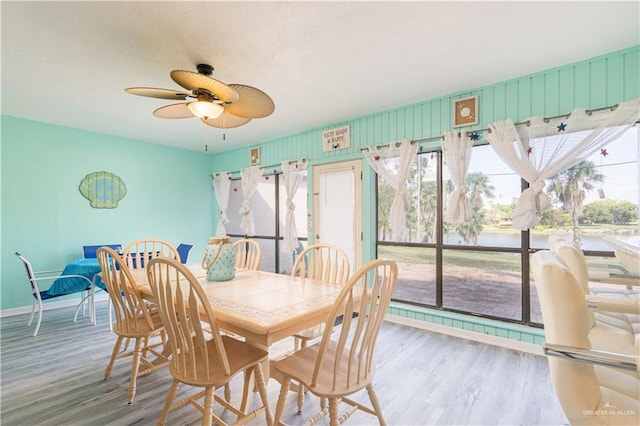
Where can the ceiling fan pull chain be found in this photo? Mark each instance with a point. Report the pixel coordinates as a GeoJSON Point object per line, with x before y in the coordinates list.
{"type": "Point", "coordinates": [206, 146]}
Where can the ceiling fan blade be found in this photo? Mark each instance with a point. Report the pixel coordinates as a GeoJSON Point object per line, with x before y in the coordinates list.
{"type": "Point", "coordinates": [193, 81]}
{"type": "Point", "coordinates": [253, 103]}
{"type": "Point", "coordinates": [174, 111]}
{"type": "Point", "coordinates": [152, 92]}
{"type": "Point", "coordinates": [226, 121]}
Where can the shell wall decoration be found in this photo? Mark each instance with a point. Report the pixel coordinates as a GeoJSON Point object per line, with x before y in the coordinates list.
{"type": "Point", "coordinates": [103, 189]}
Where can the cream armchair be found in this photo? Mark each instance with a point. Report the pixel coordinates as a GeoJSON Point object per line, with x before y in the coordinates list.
{"type": "Point", "coordinates": [618, 284]}
{"type": "Point", "coordinates": [592, 386]}
{"type": "Point", "coordinates": [615, 316]}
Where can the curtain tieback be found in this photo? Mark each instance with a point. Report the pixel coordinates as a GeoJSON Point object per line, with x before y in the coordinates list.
{"type": "Point", "coordinates": [244, 208]}
{"type": "Point", "coordinates": [290, 205]}
{"type": "Point", "coordinates": [223, 217]}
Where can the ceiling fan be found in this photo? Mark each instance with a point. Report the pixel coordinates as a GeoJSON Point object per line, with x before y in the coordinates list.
{"type": "Point", "coordinates": [216, 104]}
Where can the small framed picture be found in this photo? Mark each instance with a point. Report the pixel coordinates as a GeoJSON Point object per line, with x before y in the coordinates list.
{"type": "Point", "coordinates": [255, 156]}
{"type": "Point", "coordinates": [465, 111]}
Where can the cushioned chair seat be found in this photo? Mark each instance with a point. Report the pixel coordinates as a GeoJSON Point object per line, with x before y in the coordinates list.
{"type": "Point", "coordinates": [588, 392]}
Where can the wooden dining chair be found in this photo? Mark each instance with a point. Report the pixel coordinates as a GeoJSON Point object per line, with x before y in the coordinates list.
{"type": "Point", "coordinates": [323, 262]}
{"type": "Point", "coordinates": [248, 254]}
{"type": "Point", "coordinates": [138, 253]}
{"type": "Point", "coordinates": [341, 364]}
{"type": "Point", "coordinates": [200, 355]}
{"type": "Point", "coordinates": [40, 295]}
{"type": "Point", "coordinates": [135, 320]}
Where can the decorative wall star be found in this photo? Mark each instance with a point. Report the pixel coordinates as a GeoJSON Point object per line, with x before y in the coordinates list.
{"type": "Point", "coordinates": [529, 150]}
{"type": "Point", "coordinates": [474, 136]}
{"type": "Point", "coordinates": [561, 127]}
{"type": "Point", "coordinates": [377, 158]}
{"type": "Point", "coordinates": [266, 178]}
{"type": "Point", "coordinates": [604, 152]}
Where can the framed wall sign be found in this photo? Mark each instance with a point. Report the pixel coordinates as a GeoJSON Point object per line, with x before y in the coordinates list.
{"type": "Point", "coordinates": [338, 138]}
{"type": "Point", "coordinates": [465, 111]}
{"type": "Point", "coordinates": [255, 156]}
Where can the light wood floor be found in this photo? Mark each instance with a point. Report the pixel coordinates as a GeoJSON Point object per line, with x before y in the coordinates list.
{"type": "Point", "coordinates": [423, 378]}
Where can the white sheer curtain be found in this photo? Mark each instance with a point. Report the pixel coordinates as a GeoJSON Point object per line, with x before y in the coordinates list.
{"type": "Point", "coordinates": [456, 150]}
{"type": "Point", "coordinates": [221, 189]}
{"type": "Point", "coordinates": [249, 179]}
{"type": "Point", "coordinates": [547, 146]}
{"type": "Point", "coordinates": [395, 174]}
{"type": "Point", "coordinates": [293, 174]}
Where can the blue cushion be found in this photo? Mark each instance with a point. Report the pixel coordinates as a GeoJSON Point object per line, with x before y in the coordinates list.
{"type": "Point", "coordinates": [183, 251]}
{"type": "Point", "coordinates": [90, 251]}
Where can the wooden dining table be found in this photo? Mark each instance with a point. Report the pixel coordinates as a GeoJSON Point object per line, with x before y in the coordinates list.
{"type": "Point", "coordinates": [263, 307]}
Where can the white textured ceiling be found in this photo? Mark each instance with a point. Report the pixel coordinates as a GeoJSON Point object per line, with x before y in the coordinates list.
{"type": "Point", "coordinates": [67, 63]}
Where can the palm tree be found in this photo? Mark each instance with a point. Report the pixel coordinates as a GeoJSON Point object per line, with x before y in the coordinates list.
{"type": "Point", "coordinates": [428, 208]}
{"type": "Point", "coordinates": [469, 231]}
{"type": "Point", "coordinates": [385, 198]}
{"type": "Point", "coordinates": [478, 188]}
{"type": "Point", "coordinates": [571, 187]}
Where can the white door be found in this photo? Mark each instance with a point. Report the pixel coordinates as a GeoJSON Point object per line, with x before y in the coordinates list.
{"type": "Point", "coordinates": [337, 207]}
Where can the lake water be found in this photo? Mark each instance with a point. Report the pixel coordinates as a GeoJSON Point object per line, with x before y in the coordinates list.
{"type": "Point", "coordinates": [509, 239]}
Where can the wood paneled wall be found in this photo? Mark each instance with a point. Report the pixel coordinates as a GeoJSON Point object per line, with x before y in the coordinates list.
{"type": "Point", "coordinates": [594, 83]}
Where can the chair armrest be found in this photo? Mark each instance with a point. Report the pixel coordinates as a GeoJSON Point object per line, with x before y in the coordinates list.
{"type": "Point", "coordinates": [593, 356]}
{"type": "Point", "coordinates": [625, 280]}
{"type": "Point", "coordinates": [52, 271]}
{"type": "Point", "coordinates": [613, 274]}
{"type": "Point", "coordinates": [609, 304]}
{"type": "Point", "coordinates": [55, 277]}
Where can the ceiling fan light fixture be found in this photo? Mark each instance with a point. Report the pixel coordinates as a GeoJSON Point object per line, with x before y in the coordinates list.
{"type": "Point", "coordinates": [205, 109]}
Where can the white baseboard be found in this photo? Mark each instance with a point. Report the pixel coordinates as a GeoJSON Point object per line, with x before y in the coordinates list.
{"type": "Point", "coordinates": [502, 342]}
{"type": "Point", "coordinates": [46, 306]}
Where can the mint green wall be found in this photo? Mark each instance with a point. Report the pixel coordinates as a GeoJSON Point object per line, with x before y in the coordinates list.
{"type": "Point", "coordinates": [45, 217]}
{"type": "Point", "coordinates": [169, 190]}
{"type": "Point", "coordinates": [594, 83]}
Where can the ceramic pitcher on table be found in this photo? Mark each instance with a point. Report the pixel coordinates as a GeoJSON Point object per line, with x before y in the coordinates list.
{"type": "Point", "coordinates": [219, 259]}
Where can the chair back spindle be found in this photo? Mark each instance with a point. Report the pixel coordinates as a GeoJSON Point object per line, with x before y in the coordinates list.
{"type": "Point", "coordinates": [248, 254]}
{"type": "Point", "coordinates": [362, 305]}
{"type": "Point", "coordinates": [189, 321]}
{"type": "Point", "coordinates": [324, 262]}
{"type": "Point", "coordinates": [140, 252]}
{"type": "Point", "coordinates": [128, 305]}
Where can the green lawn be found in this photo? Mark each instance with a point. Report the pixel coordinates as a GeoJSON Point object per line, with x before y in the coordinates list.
{"type": "Point", "coordinates": [464, 258]}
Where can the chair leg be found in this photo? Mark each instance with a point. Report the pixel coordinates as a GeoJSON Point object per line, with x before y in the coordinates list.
{"type": "Point", "coordinates": [208, 406]}
{"type": "Point", "coordinates": [333, 412]}
{"type": "Point", "coordinates": [245, 389]}
{"type": "Point", "coordinates": [92, 306]}
{"type": "Point", "coordinates": [86, 298]}
{"type": "Point", "coordinates": [114, 355]}
{"type": "Point", "coordinates": [33, 311]}
{"type": "Point", "coordinates": [135, 366]}
{"type": "Point", "coordinates": [35, 332]}
{"type": "Point", "coordinates": [284, 390]}
{"type": "Point", "coordinates": [301, 389]}
{"type": "Point", "coordinates": [173, 390]}
{"type": "Point", "coordinates": [375, 404]}
{"type": "Point", "coordinates": [110, 313]}
{"type": "Point", "coordinates": [227, 392]}
{"type": "Point", "coordinates": [323, 403]}
{"type": "Point", "coordinates": [262, 389]}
